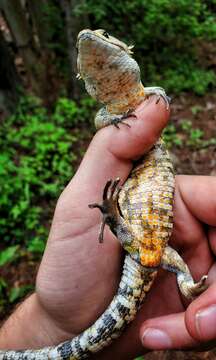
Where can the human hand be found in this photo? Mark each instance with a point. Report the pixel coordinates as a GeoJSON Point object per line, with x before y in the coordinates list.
{"type": "Point", "coordinates": [194, 236]}
{"type": "Point", "coordinates": [164, 322]}
{"type": "Point", "coordinates": [78, 277]}
{"type": "Point", "coordinates": [77, 290]}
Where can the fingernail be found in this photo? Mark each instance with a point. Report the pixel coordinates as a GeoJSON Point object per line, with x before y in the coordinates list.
{"type": "Point", "coordinates": [205, 322]}
{"type": "Point", "coordinates": [156, 339]}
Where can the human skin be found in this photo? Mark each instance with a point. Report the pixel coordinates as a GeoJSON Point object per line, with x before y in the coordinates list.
{"type": "Point", "coordinates": [78, 277]}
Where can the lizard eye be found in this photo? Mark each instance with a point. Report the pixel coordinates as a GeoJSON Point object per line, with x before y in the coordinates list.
{"type": "Point", "coordinates": [106, 34]}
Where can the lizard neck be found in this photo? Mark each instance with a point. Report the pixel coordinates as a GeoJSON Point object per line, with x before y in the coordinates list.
{"type": "Point", "coordinates": [127, 100]}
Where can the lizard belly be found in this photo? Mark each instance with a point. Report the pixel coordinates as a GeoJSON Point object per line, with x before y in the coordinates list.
{"type": "Point", "coordinates": [146, 206]}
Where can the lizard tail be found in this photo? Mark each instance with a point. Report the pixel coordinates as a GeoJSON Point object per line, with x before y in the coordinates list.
{"type": "Point", "coordinates": [135, 282]}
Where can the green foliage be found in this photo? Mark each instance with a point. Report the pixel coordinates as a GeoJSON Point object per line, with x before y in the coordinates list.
{"type": "Point", "coordinates": [12, 295]}
{"type": "Point", "coordinates": [171, 137]}
{"type": "Point", "coordinates": [166, 35]}
{"type": "Point", "coordinates": [195, 135]}
{"type": "Point", "coordinates": [19, 292]}
{"type": "Point", "coordinates": [3, 293]}
{"type": "Point", "coordinates": [185, 134]}
{"type": "Point", "coordinates": [67, 112]}
{"type": "Point", "coordinates": [56, 33]}
{"type": "Point", "coordinates": [3, 285]}
{"type": "Point", "coordinates": [37, 152]}
{"type": "Point", "coordinates": [196, 109]}
{"type": "Point", "coordinates": [8, 255]}
{"type": "Point", "coordinates": [36, 245]}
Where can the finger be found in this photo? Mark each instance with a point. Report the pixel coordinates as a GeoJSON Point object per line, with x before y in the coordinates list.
{"type": "Point", "coordinates": [130, 143]}
{"type": "Point", "coordinates": [189, 232]}
{"type": "Point", "coordinates": [73, 255]}
{"type": "Point", "coordinates": [166, 332]}
{"type": "Point", "coordinates": [196, 192]}
{"type": "Point", "coordinates": [212, 238]}
{"type": "Point", "coordinates": [201, 314]}
{"type": "Point", "coordinates": [110, 155]}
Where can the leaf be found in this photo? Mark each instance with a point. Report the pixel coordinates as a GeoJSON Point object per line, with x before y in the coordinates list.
{"type": "Point", "coordinates": [36, 246]}
{"type": "Point", "coordinates": [3, 284]}
{"type": "Point", "coordinates": [196, 109]}
{"type": "Point", "coordinates": [18, 292]}
{"type": "Point", "coordinates": [9, 255]}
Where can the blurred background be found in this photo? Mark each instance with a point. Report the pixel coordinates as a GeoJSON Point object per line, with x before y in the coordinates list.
{"type": "Point", "coordinates": [46, 117]}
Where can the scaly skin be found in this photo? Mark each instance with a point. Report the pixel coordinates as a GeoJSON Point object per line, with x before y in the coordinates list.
{"type": "Point", "coordinates": [139, 213]}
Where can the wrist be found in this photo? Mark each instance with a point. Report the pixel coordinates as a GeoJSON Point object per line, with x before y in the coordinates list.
{"type": "Point", "coordinates": [30, 327]}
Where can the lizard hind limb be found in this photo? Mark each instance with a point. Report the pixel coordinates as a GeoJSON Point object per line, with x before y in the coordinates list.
{"type": "Point", "coordinates": [173, 262]}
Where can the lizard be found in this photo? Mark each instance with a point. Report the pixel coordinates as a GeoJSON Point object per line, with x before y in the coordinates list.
{"type": "Point", "coordinates": [139, 212]}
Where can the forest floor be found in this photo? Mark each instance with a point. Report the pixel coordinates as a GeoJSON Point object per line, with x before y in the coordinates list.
{"type": "Point", "coordinates": [191, 136]}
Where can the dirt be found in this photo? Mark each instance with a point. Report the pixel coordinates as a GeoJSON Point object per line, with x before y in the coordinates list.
{"type": "Point", "coordinates": [21, 273]}
{"type": "Point", "coordinates": [180, 355]}
{"type": "Point", "coordinates": [201, 111]}
{"type": "Point", "coordinates": [200, 159]}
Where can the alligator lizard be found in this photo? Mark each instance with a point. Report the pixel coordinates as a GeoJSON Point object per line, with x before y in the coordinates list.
{"type": "Point", "coordinates": [139, 213]}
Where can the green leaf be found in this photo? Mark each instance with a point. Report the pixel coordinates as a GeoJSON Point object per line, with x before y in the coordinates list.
{"type": "Point", "coordinates": [18, 292]}
{"type": "Point", "coordinates": [8, 255]}
{"type": "Point", "coordinates": [196, 109]}
{"type": "Point", "coordinates": [3, 284]}
{"type": "Point", "coordinates": [36, 246]}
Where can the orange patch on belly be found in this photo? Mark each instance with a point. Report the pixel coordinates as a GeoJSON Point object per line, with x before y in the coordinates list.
{"type": "Point", "coordinates": [151, 257]}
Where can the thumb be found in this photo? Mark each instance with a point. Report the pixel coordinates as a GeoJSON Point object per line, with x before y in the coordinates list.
{"type": "Point", "coordinates": [110, 155]}
{"type": "Point", "coordinates": [200, 316]}
{"type": "Point", "coordinates": [193, 328]}
{"type": "Point", "coordinates": [166, 332]}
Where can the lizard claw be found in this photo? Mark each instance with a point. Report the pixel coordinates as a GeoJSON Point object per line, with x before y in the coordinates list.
{"type": "Point", "coordinates": [160, 92]}
{"type": "Point", "coordinates": [109, 204]}
{"type": "Point", "coordinates": [114, 189]}
{"type": "Point", "coordinates": [117, 121]}
{"type": "Point", "coordinates": [120, 120]}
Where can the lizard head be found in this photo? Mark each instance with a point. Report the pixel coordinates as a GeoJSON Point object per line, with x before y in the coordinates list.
{"type": "Point", "coordinates": [104, 38]}
{"type": "Point", "coordinates": [106, 65]}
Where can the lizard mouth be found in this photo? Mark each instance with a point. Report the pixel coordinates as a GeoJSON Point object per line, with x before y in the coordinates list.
{"type": "Point", "coordinates": [84, 34]}
{"type": "Point", "coordinates": [88, 34]}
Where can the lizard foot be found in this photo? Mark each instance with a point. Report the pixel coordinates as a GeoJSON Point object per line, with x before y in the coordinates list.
{"type": "Point", "coordinates": [109, 206]}
{"type": "Point", "coordinates": [120, 119]}
{"type": "Point", "coordinates": [189, 288]}
{"type": "Point", "coordinates": [160, 92]}
{"type": "Point", "coordinates": [172, 261]}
